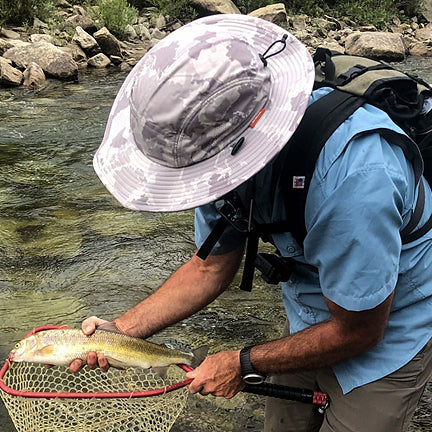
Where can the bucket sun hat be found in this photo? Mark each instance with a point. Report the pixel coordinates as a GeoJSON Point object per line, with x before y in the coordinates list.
{"type": "Point", "coordinates": [203, 111]}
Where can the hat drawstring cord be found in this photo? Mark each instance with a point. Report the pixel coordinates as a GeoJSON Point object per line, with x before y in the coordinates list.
{"type": "Point", "coordinates": [264, 56]}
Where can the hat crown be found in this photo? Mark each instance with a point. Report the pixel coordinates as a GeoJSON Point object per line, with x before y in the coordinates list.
{"type": "Point", "coordinates": [195, 94]}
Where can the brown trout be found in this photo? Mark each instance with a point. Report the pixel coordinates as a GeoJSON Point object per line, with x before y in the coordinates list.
{"type": "Point", "coordinates": [61, 346]}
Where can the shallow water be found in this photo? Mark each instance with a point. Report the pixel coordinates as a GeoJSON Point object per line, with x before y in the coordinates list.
{"type": "Point", "coordinates": [68, 250]}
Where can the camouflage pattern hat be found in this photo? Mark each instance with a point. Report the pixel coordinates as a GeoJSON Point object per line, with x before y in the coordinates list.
{"type": "Point", "coordinates": [204, 110]}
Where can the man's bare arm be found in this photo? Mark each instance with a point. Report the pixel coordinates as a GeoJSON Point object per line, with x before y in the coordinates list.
{"type": "Point", "coordinates": [193, 286]}
{"type": "Point", "coordinates": [344, 335]}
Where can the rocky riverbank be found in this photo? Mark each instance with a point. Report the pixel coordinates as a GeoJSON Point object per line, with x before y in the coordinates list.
{"type": "Point", "coordinates": [29, 56]}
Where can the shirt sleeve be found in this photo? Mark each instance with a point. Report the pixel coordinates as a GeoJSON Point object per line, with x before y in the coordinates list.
{"type": "Point", "coordinates": [205, 219]}
{"type": "Point", "coordinates": [353, 215]}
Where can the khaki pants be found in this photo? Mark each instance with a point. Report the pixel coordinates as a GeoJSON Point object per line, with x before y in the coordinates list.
{"type": "Point", "coordinates": [386, 405]}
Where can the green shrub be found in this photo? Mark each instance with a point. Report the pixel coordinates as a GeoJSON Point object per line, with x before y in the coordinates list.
{"type": "Point", "coordinates": [25, 11]}
{"type": "Point", "coordinates": [116, 15]}
{"type": "Point", "coordinates": [177, 9]}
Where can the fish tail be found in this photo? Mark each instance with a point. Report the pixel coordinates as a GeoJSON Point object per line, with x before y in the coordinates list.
{"type": "Point", "coordinates": [199, 354]}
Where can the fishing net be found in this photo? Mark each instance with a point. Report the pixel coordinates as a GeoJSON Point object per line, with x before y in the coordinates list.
{"type": "Point", "coordinates": [56, 400]}
{"type": "Point", "coordinates": [114, 405]}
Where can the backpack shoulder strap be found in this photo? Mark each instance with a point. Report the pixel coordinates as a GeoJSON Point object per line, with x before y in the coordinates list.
{"type": "Point", "coordinates": [296, 163]}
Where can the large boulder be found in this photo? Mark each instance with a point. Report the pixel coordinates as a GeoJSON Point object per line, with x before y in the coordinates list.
{"type": "Point", "coordinates": [216, 6]}
{"type": "Point", "coordinates": [34, 76]}
{"type": "Point", "coordinates": [53, 61]}
{"type": "Point", "coordinates": [108, 43]}
{"type": "Point", "coordinates": [376, 45]}
{"type": "Point", "coordinates": [427, 9]}
{"type": "Point", "coordinates": [86, 41]}
{"type": "Point", "coordinates": [9, 76]}
{"type": "Point", "coordinates": [275, 13]}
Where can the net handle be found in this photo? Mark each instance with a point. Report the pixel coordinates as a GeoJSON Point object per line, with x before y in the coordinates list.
{"type": "Point", "coordinates": [319, 399]}
{"type": "Point", "coordinates": [70, 395]}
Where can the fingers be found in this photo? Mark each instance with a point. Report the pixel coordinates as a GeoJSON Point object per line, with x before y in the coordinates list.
{"type": "Point", "coordinates": [218, 374]}
{"type": "Point", "coordinates": [89, 324]}
{"type": "Point", "coordinates": [93, 362]}
{"type": "Point", "coordinates": [76, 365]}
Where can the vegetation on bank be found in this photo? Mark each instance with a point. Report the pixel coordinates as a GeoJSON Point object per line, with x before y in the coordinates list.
{"type": "Point", "coordinates": [117, 14]}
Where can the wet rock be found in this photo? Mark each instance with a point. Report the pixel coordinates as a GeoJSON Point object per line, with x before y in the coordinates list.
{"type": "Point", "coordinates": [216, 6]}
{"type": "Point", "coordinates": [99, 61]}
{"type": "Point", "coordinates": [275, 13]}
{"type": "Point", "coordinates": [9, 76]}
{"type": "Point", "coordinates": [376, 45]}
{"type": "Point", "coordinates": [78, 55]}
{"type": "Point", "coordinates": [108, 43]}
{"type": "Point", "coordinates": [116, 60]}
{"type": "Point", "coordinates": [34, 76]}
{"type": "Point", "coordinates": [86, 41]}
{"type": "Point", "coordinates": [52, 60]}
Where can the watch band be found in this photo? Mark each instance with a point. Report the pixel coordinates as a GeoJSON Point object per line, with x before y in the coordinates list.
{"type": "Point", "coordinates": [248, 373]}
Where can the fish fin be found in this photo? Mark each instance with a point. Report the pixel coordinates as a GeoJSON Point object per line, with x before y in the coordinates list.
{"type": "Point", "coordinates": [116, 363]}
{"type": "Point", "coordinates": [46, 350]}
{"type": "Point", "coordinates": [199, 354]}
{"type": "Point", "coordinates": [161, 371]}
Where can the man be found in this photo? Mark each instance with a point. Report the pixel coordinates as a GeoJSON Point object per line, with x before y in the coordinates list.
{"type": "Point", "coordinates": [206, 112]}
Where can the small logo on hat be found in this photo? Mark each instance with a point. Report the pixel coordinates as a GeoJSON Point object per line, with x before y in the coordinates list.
{"type": "Point", "coordinates": [299, 182]}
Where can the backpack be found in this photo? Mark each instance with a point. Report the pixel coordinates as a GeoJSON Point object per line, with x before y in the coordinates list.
{"type": "Point", "coordinates": [355, 81]}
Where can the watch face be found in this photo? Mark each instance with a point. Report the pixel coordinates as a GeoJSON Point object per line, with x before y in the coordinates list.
{"type": "Point", "coordinates": [253, 378]}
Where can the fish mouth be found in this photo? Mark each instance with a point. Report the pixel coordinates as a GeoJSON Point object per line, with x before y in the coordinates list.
{"type": "Point", "coordinates": [11, 357]}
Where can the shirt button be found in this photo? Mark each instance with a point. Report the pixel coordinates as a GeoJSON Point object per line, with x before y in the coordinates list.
{"type": "Point", "coordinates": [291, 249]}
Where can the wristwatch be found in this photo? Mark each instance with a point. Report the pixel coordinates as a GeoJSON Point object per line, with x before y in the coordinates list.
{"type": "Point", "coordinates": [248, 373]}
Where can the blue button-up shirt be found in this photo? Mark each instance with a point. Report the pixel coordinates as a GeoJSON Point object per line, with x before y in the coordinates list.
{"type": "Point", "coordinates": [360, 197]}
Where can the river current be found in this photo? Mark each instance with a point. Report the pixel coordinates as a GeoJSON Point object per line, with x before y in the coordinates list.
{"type": "Point", "coordinates": [68, 250]}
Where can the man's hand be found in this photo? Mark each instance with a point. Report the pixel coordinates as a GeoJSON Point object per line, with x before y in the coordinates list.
{"type": "Point", "coordinates": [218, 374]}
{"type": "Point", "coordinates": [88, 326]}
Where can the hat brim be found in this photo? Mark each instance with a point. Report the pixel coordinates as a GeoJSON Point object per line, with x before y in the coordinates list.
{"type": "Point", "coordinates": [139, 183]}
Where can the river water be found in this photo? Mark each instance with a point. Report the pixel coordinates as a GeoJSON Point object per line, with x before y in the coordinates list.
{"type": "Point", "coordinates": [68, 250]}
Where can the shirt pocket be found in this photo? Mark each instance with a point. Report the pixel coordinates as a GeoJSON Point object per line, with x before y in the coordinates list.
{"type": "Point", "coordinates": [304, 289]}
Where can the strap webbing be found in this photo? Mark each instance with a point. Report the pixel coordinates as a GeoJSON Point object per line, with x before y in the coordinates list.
{"type": "Point", "coordinates": [319, 122]}
{"type": "Point", "coordinates": [212, 238]}
{"type": "Point", "coordinates": [249, 264]}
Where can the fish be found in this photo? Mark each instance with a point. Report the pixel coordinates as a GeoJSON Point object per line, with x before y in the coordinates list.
{"type": "Point", "coordinates": [60, 346]}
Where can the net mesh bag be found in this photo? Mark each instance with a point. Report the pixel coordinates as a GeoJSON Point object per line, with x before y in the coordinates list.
{"type": "Point", "coordinates": [115, 404]}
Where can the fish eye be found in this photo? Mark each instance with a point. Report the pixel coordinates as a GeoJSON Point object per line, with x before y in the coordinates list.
{"type": "Point", "coordinates": [17, 346]}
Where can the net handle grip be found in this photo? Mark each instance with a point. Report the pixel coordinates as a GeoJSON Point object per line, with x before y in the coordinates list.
{"type": "Point", "coordinates": [319, 399]}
